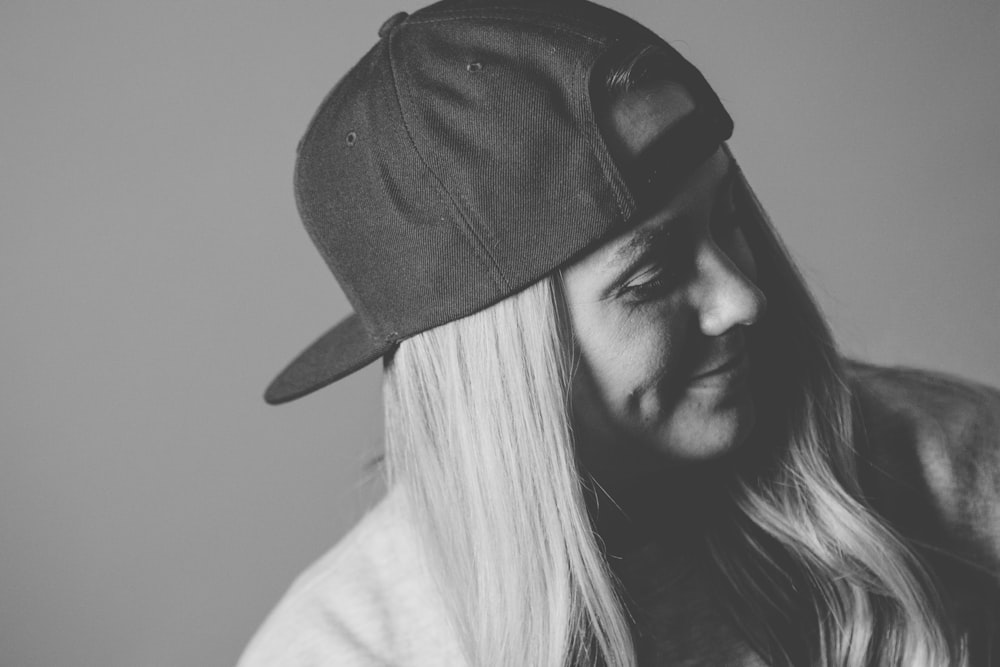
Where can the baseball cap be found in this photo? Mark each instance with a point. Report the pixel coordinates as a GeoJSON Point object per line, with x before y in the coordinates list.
{"type": "Point", "coordinates": [462, 159]}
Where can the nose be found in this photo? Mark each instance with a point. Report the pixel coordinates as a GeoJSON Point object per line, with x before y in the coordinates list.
{"type": "Point", "coordinates": [723, 294]}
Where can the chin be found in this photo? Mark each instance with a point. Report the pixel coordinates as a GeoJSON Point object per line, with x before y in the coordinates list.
{"type": "Point", "coordinates": [697, 436]}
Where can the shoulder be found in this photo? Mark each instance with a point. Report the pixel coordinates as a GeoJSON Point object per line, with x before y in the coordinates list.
{"type": "Point", "coordinates": [929, 448]}
{"type": "Point", "coordinates": [944, 399]}
{"type": "Point", "coordinates": [948, 419]}
{"type": "Point", "coordinates": [368, 601]}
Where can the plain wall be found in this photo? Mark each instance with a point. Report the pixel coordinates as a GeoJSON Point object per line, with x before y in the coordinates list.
{"type": "Point", "coordinates": [154, 276]}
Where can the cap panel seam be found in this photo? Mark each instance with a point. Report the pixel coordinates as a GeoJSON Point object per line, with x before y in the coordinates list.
{"type": "Point", "coordinates": [496, 275]}
{"type": "Point", "coordinates": [594, 138]}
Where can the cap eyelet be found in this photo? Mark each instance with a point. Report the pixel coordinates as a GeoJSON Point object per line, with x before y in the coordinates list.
{"type": "Point", "coordinates": [474, 67]}
{"type": "Point", "coordinates": [351, 138]}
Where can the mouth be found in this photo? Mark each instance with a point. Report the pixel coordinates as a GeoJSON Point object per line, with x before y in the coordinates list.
{"type": "Point", "coordinates": [733, 363]}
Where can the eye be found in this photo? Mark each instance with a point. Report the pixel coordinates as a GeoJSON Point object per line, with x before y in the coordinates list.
{"type": "Point", "coordinates": [650, 289]}
{"type": "Point", "coordinates": [659, 280]}
{"type": "Point", "coordinates": [668, 261]}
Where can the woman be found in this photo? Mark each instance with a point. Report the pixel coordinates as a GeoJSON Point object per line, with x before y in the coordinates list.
{"type": "Point", "coordinates": [617, 429]}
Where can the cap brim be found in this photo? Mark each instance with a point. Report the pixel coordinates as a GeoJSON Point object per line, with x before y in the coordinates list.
{"type": "Point", "coordinates": [339, 352]}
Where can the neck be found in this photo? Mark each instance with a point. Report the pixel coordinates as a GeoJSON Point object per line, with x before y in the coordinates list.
{"type": "Point", "coordinates": [672, 503]}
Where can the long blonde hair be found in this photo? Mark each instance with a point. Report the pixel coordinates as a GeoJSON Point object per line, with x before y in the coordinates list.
{"type": "Point", "coordinates": [479, 437]}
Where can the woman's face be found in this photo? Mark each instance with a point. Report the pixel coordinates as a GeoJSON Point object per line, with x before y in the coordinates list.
{"type": "Point", "coordinates": [659, 312]}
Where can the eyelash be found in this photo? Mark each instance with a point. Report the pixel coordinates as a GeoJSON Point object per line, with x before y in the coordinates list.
{"type": "Point", "coordinates": [665, 279]}
{"type": "Point", "coordinates": [722, 227]}
{"type": "Point", "coordinates": [651, 288]}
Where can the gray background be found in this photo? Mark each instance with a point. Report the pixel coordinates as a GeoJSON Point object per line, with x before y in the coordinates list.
{"type": "Point", "coordinates": [153, 276]}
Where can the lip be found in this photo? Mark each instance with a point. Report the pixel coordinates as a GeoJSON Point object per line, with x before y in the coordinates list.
{"type": "Point", "coordinates": [731, 366]}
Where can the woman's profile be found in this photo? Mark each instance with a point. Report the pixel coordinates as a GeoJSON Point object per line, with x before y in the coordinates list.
{"type": "Point", "coordinates": [618, 429]}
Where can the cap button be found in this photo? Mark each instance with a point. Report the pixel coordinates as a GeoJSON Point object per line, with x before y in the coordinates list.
{"type": "Point", "coordinates": [391, 22]}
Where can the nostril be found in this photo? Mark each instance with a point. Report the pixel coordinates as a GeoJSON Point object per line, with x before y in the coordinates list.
{"type": "Point", "coordinates": [757, 307]}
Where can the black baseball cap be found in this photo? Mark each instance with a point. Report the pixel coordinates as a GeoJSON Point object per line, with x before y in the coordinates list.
{"type": "Point", "coordinates": [461, 160]}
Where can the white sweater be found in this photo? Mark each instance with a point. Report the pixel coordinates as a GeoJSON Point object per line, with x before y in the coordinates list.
{"type": "Point", "coordinates": [368, 602]}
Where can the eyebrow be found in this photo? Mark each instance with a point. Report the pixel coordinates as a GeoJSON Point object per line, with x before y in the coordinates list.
{"type": "Point", "coordinates": [642, 242]}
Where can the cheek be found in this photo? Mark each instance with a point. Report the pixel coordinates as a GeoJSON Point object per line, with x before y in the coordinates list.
{"type": "Point", "coordinates": [633, 359]}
